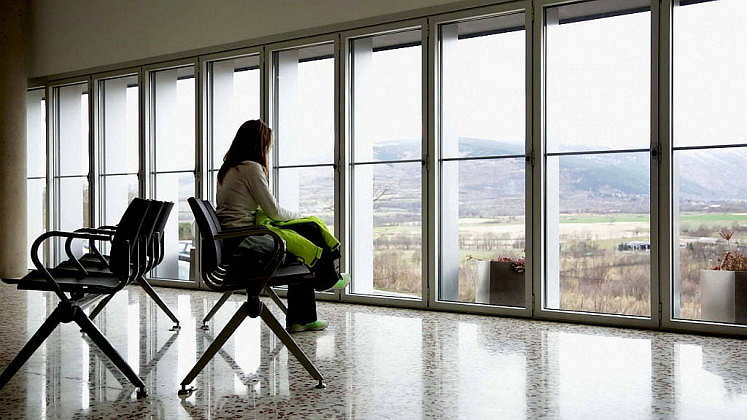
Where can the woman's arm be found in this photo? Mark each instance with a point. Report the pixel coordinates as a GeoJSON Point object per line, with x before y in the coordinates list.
{"type": "Point", "coordinates": [260, 190]}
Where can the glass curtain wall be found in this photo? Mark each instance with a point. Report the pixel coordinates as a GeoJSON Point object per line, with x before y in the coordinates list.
{"type": "Point", "coordinates": [118, 141]}
{"type": "Point", "coordinates": [233, 97]}
{"type": "Point", "coordinates": [172, 164]}
{"type": "Point", "coordinates": [483, 162]}
{"type": "Point", "coordinates": [709, 132]}
{"type": "Point", "coordinates": [36, 168]}
{"type": "Point", "coordinates": [385, 112]}
{"type": "Point", "coordinates": [597, 161]}
{"type": "Point", "coordinates": [71, 161]}
{"type": "Point", "coordinates": [303, 123]}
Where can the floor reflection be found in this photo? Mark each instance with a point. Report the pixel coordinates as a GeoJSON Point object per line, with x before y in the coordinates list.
{"type": "Point", "coordinates": [378, 363]}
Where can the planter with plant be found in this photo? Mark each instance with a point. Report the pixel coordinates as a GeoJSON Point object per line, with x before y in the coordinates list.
{"type": "Point", "coordinates": [500, 281]}
{"type": "Point", "coordinates": [724, 286]}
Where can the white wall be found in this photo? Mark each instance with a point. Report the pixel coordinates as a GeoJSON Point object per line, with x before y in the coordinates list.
{"type": "Point", "coordinates": [79, 34]}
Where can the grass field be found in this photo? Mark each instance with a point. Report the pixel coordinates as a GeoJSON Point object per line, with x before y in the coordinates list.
{"type": "Point", "coordinates": [595, 275]}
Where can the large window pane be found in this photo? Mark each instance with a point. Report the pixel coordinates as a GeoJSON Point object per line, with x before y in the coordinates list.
{"type": "Point", "coordinates": [710, 193]}
{"type": "Point", "coordinates": [309, 191]}
{"type": "Point", "coordinates": [72, 123]}
{"type": "Point", "coordinates": [179, 235]}
{"type": "Point", "coordinates": [387, 97]}
{"type": "Point", "coordinates": [597, 204]}
{"type": "Point", "coordinates": [119, 125]}
{"type": "Point", "coordinates": [234, 99]}
{"type": "Point", "coordinates": [36, 134]}
{"type": "Point", "coordinates": [386, 125]}
{"type": "Point", "coordinates": [174, 119]}
{"type": "Point", "coordinates": [708, 73]}
{"type": "Point", "coordinates": [483, 232]}
{"type": "Point", "coordinates": [482, 110]}
{"type": "Point", "coordinates": [304, 108]}
{"type": "Point", "coordinates": [120, 190]}
{"type": "Point", "coordinates": [483, 87]}
{"type": "Point", "coordinates": [387, 235]}
{"type": "Point", "coordinates": [36, 212]}
{"type": "Point", "coordinates": [599, 243]}
{"type": "Point", "coordinates": [598, 76]}
{"type": "Point", "coordinates": [74, 209]}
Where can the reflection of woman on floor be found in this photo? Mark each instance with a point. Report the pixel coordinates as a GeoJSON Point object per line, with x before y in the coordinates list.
{"type": "Point", "coordinates": [244, 196]}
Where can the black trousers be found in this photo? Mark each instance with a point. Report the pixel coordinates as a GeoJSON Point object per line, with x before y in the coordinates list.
{"type": "Point", "coordinates": [301, 304]}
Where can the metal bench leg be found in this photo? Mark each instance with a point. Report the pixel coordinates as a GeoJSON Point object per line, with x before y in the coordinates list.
{"type": "Point", "coordinates": [239, 317]}
{"type": "Point", "coordinates": [87, 326]}
{"type": "Point", "coordinates": [30, 347]}
{"type": "Point", "coordinates": [275, 298]}
{"type": "Point", "coordinates": [291, 344]}
{"type": "Point", "coordinates": [154, 295]}
{"type": "Point", "coordinates": [100, 307]}
{"type": "Point", "coordinates": [214, 309]}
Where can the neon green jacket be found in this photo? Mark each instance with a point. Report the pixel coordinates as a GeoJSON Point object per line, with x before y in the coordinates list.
{"type": "Point", "coordinates": [295, 243]}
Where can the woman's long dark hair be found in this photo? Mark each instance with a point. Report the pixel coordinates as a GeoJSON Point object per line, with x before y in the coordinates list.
{"type": "Point", "coordinates": [252, 142]}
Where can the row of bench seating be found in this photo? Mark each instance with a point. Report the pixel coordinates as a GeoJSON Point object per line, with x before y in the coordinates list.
{"type": "Point", "coordinates": [136, 247]}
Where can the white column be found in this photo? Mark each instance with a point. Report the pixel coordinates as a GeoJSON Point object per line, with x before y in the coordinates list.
{"type": "Point", "coordinates": [13, 82]}
{"type": "Point", "coordinates": [288, 132]}
{"type": "Point", "coordinates": [363, 175]}
{"type": "Point", "coordinates": [450, 255]}
{"type": "Point", "coordinates": [167, 185]}
{"type": "Point", "coordinates": [552, 210]}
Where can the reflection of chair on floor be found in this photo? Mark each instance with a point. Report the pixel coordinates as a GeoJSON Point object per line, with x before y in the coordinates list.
{"type": "Point", "coordinates": [221, 276]}
{"type": "Point", "coordinates": [96, 262]}
{"type": "Point", "coordinates": [145, 368]}
{"type": "Point", "coordinates": [126, 262]}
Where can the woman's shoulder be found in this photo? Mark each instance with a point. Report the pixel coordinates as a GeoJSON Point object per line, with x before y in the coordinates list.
{"type": "Point", "coordinates": [250, 165]}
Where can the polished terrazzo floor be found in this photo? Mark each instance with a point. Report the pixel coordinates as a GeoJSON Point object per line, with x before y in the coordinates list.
{"type": "Point", "coordinates": [378, 363]}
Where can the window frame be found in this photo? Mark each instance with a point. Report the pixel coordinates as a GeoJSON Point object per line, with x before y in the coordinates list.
{"type": "Point", "coordinates": [347, 166]}
{"type": "Point", "coordinates": [540, 239]}
{"type": "Point", "coordinates": [53, 140]}
{"type": "Point", "coordinates": [270, 116]}
{"type": "Point", "coordinates": [99, 171]}
{"type": "Point", "coordinates": [148, 156]}
{"type": "Point", "coordinates": [436, 160]}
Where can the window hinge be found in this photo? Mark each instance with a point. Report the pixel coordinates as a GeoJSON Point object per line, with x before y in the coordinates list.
{"type": "Point", "coordinates": [656, 153]}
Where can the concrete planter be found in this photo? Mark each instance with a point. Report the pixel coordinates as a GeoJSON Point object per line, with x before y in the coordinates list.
{"type": "Point", "coordinates": [498, 284]}
{"type": "Point", "coordinates": [723, 296]}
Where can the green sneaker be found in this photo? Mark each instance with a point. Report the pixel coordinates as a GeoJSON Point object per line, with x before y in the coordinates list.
{"type": "Point", "coordinates": [343, 282]}
{"type": "Point", "coordinates": [318, 325]}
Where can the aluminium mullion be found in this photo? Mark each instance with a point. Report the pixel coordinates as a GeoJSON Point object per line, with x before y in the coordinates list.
{"type": "Point", "coordinates": [310, 165]}
{"type": "Point", "coordinates": [490, 157]}
{"type": "Point", "coordinates": [92, 149]}
{"type": "Point", "coordinates": [49, 147]}
{"type": "Point", "coordinates": [70, 176]}
{"type": "Point", "coordinates": [175, 171]}
{"type": "Point", "coordinates": [598, 152]}
{"type": "Point", "coordinates": [655, 304]}
{"type": "Point", "coordinates": [387, 162]}
{"type": "Point", "coordinates": [117, 174]}
{"type": "Point", "coordinates": [715, 146]}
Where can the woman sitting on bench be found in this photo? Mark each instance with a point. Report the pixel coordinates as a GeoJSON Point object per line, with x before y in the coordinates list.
{"type": "Point", "coordinates": [244, 199]}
